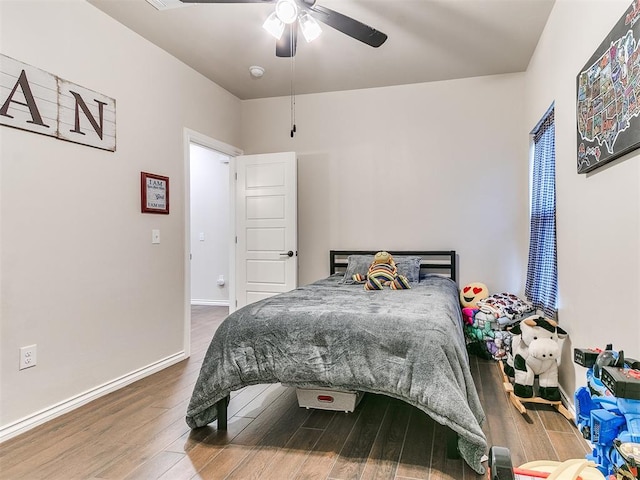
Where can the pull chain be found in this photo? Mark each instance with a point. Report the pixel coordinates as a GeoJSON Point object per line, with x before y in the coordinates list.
{"type": "Point", "coordinates": [293, 89]}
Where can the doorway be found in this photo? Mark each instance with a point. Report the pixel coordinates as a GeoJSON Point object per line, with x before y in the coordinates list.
{"type": "Point", "coordinates": [210, 220]}
{"type": "Point", "coordinates": [209, 224]}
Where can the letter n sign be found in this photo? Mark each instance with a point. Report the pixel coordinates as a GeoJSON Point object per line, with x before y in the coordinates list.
{"type": "Point", "coordinates": [34, 100]}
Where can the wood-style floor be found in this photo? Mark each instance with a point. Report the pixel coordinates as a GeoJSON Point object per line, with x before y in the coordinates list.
{"type": "Point", "coordinates": [139, 432]}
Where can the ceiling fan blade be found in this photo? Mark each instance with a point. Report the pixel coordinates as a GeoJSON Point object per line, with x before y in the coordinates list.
{"type": "Point", "coordinates": [227, 1]}
{"type": "Point", "coordinates": [348, 25]}
{"type": "Point", "coordinates": [286, 46]}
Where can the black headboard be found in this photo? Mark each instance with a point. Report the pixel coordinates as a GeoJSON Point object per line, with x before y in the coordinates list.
{"type": "Point", "coordinates": [442, 262]}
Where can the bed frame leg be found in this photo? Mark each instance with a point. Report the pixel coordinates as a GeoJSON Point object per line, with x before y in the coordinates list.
{"type": "Point", "coordinates": [452, 445]}
{"type": "Point", "coordinates": [222, 412]}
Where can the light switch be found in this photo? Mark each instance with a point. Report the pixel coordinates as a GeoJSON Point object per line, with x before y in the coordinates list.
{"type": "Point", "coordinates": [202, 236]}
{"type": "Point", "coordinates": [155, 236]}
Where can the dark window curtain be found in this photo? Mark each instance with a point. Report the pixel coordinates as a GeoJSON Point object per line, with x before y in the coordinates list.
{"type": "Point", "coordinates": [542, 271]}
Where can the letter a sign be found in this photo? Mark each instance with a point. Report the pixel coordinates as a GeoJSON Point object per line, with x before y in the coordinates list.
{"type": "Point", "coordinates": [34, 100]}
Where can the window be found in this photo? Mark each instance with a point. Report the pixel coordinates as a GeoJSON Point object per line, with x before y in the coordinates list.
{"type": "Point", "coordinates": [542, 270]}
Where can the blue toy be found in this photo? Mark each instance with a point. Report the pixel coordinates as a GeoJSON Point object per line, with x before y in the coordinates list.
{"type": "Point", "coordinates": [608, 411]}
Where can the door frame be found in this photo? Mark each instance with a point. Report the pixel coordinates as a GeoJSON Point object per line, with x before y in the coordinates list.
{"type": "Point", "coordinates": [193, 137]}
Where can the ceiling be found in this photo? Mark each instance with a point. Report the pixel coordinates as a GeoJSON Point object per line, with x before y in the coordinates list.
{"type": "Point", "coordinates": [429, 40]}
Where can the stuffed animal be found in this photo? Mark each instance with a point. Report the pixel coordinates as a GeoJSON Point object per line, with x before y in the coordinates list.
{"type": "Point", "coordinates": [383, 272]}
{"type": "Point", "coordinates": [535, 351]}
{"type": "Point", "coordinates": [472, 293]}
{"type": "Point", "coordinates": [499, 345]}
{"type": "Point", "coordinates": [469, 297]}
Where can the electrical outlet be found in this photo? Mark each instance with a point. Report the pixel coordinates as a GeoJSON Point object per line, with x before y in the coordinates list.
{"type": "Point", "coordinates": [28, 356]}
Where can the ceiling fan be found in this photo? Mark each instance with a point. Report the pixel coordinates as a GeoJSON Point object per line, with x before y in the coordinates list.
{"type": "Point", "coordinates": [291, 15]}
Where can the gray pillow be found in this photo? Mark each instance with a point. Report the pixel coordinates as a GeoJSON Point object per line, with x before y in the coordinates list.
{"type": "Point", "coordinates": [357, 264]}
{"type": "Point", "coordinates": [409, 266]}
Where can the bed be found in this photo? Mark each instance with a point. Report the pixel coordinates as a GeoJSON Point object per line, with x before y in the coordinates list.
{"type": "Point", "coordinates": [406, 344]}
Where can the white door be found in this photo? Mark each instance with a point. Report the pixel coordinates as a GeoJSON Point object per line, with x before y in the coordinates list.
{"type": "Point", "coordinates": [266, 226]}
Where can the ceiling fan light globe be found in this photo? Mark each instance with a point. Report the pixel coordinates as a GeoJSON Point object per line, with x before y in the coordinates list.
{"type": "Point", "coordinates": [287, 11]}
{"type": "Point", "coordinates": [274, 26]}
{"type": "Point", "coordinates": [310, 28]}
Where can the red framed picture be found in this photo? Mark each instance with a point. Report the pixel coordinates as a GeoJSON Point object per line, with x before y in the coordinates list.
{"type": "Point", "coordinates": [154, 193]}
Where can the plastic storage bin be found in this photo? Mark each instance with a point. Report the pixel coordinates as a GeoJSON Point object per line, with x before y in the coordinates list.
{"type": "Point", "coordinates": [326, 399]}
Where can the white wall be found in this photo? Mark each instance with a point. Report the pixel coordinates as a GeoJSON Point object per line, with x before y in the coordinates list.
{"type": "Point", "coordinates": [80, 277]}
{"type": "Point", "coordinates": [598, 215]}
{"type": "Point", "coordinates": [209, 226]}
{"type": "Point", "coordinates": [432, 166]}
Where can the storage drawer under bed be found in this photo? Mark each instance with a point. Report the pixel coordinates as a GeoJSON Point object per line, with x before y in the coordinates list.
{"type": "Point", "coordinates": [326, 399]}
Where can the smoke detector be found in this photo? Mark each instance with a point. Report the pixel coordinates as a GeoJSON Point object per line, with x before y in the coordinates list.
{"type": "Point", "coordinates": [256, 71]}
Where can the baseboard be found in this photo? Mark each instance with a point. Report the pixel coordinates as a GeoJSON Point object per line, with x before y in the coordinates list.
{"type": "Point", "coordinates": [27, 423]}
{"type": "Point", "coordinates": [210, 303]}
{"type": "Point", "coordinates": [567, 402]}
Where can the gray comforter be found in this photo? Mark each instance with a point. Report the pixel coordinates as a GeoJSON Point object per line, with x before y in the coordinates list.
{"type": "Point", "coordinates": [406, 344]}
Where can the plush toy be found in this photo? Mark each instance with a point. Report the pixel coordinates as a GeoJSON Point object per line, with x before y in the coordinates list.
{"type": "Point", "coordinates": [472, 293]}
{"type": "Point", "coordinates": [476, 332]}
{"type": "Point", "coordinates": [383, 272]}
{"type": "Point", "coordinates": [469, 297]}
{"type": "Point", "coordinates": [479, 338]}
{"type": "Point", "coordinates": [499, 345]}
{"type": "Point", "coordinates": [535, 351]}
